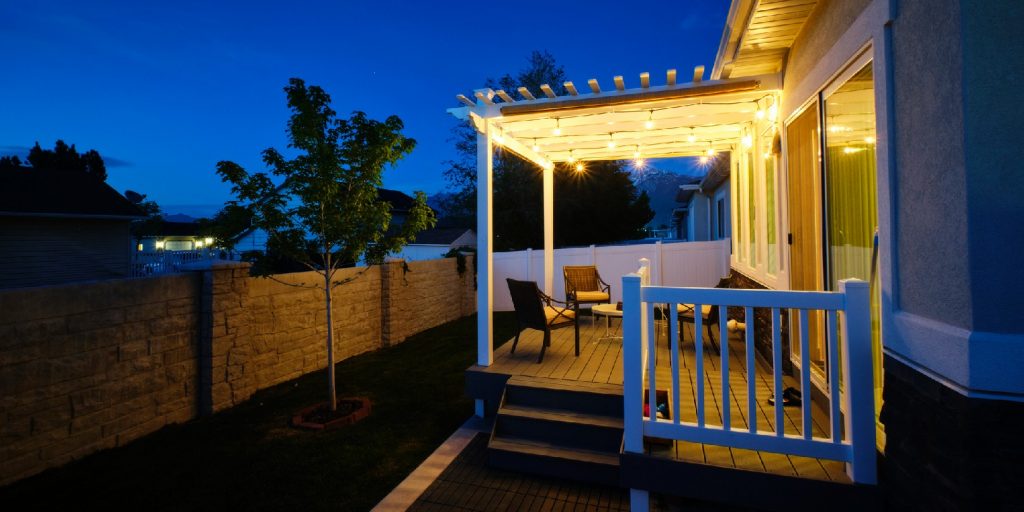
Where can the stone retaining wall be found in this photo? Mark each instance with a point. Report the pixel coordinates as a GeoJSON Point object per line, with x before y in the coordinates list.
{"type": "Point", "coordinates": [90, 366]}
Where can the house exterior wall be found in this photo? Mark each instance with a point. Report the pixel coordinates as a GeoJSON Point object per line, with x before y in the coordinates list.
{"type": "Point", "coordinates": [38, 251]}
{"type": "Point", "coordinates": [721, 194]}
{"type": "Point", "coordinates": [700, 223]}
{"type": "Point", "coordinates": [91, 366]}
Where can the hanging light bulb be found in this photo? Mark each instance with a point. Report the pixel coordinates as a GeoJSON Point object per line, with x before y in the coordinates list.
{"type": "Point", "coordinates": [636, 154]}
{"type": "Point", "coordinates": [773, 112]}
{"type": "Point", "coordinates": [650, 121]}
{"type": "Point", "coordinates": [611, 141]}
{"type": "Point", "coordinates": [748, 141]}
{"type": "Point", "coordinates": [579, 167]}
{"type": "Point", "coordinates": [703, 160]}
{"type": "Point", "coordinates": [536, 148]}
{"type": "Point", "coordinates": [869, 140]}
{"type": "Point", "coordinates": [711, 151]}
{"type": "Point", "coordinates": [758, 112]}
{"type": "Point", "coordinates": [499, 140]}
{"type": "Point", "coordinates": [571, 158]}
{"type": "Point", "coordinates": [558, 128]}
{"type": "Point", "coordinates": [691, 138]}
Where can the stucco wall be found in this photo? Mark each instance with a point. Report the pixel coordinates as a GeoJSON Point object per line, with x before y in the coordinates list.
{"type": "Point", "coordinates": [36, 251]}
{"type": "Point", "coordinates": [92, 366]}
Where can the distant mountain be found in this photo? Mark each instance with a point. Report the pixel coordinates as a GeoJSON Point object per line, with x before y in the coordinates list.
{"type": "Point", "coordinates": [179, 217]}
{"type": "Point", "coordinates": [661, 187]}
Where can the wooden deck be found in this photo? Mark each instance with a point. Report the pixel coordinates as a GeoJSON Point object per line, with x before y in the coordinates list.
{"type": "Point", "coordinates": [600, 361]}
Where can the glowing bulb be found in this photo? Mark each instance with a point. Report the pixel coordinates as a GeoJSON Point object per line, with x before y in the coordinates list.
{"type": "Point", "coordinates": [536, 148]}
{"type": "Point", "coordinates": [773, 112]}
{"type": "Point", "coordinates": [499, 140]}
{"type": "Point", "coordinates": [636, 154]}
{"type": "Point", "coordinates": [759, 114]}
{"type": "Point", "coordinates": [571, 160]}
{"type": "Point", "coordinates": [767, 156]}
{"type": "Point", "coordinates": [703, 160]}
{"type": "Point", "coordinates": [711, 152]}
{"type": "Point", "coordinates": [869, 140]}
{"type": "Point", "coordinates": [556, 132]}
{"type": "Point", "coordinates": [747, 141]}
{"type": "Point", "coordinates": [691, 139]}
{"type": "Point", "coordinates": [639, 163]}
{"type": "Point", "coordinates": [208, 241]}
{"type": "Point", "coordinates": [649, 124]}
{"type": "Point", "coordinates": [579, 167]}
{"type": "Point", "coordinates": [851, 150]}
{"type": "Point", "coordinates": [611, 144]}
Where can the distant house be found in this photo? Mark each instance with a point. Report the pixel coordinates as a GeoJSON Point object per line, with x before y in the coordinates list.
{"type": "Point", "coordinates": [61, 227]}
{"type": "Point", "coordinates": [255, 239]}
{"type": "Point", "coordinates": [174, 236]}
{"type": "Point", "coordinates": [704, 207]}
{"type": "Point", "coordinates": [435, 243]}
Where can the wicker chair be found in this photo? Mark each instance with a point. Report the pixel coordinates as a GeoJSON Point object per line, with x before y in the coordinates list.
{"type": "Point", "coordinates": [534, 310]}
{"type": "Point", "coordinates": [709, 317]}
{"type": "Point", "coordinates": [583, 285]}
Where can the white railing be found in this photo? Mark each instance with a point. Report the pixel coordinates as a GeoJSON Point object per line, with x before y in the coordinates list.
{"type": "Point", "coordinates": [145, 264]}
{"type": "Point", "coordinates": [851, 411]}
{"type": "Point", "coordinates": [671, 264]}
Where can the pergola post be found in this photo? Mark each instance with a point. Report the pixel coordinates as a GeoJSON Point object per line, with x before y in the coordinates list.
{"type": "Point", "coordinates": [484, 246]}
{"type": "Point", "coordinates": [549, 229]}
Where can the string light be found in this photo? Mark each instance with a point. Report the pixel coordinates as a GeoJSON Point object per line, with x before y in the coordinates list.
{"type": "Point", "coordinates": [650, 120]}
{"type": "Point", "coordinates": [535, 148]}
{"type": "Point", "coordinates": [773, 112]}
{"type": "Point", "coordinates": [579, 167]}
{"type": "Point", "coordinates": [869, 140]}
{"type": "Point", "coordinates": [611, 141]}
{"type": "Point", "coordinates": [748, 141]}
{"type": "Point", "coordinates": [558, 128]}
{"type": "Point", "coordinates": [571, 158]}
{"type": "Point", "coordinates": [499, 140]}
{"type": "Point", "coordinates": [711, 151]}
{"type": "Point", "coordinates": [703, 160]}
{"type": "Point", "coordinates": [691, 138]}
{"type": "Point", "coordinates": [851, 150]}
{"type": "Point", "coordinates": [759, 113]}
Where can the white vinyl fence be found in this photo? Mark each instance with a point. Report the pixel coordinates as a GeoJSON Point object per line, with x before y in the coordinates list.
{"type": "Point", "coordinates": [145, 264]}
{"type": "Point", "coordinates": [699, 264]}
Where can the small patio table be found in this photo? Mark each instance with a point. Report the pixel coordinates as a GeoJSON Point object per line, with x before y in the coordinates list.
{"type": "Point", "coordinates": [608, 311]}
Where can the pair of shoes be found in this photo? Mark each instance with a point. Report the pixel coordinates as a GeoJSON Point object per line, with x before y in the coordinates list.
{"type": "Point", "coordinates": [791, 397]}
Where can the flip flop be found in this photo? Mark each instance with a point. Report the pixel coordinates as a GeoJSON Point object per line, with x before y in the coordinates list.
{"type": "Point", "coordinates": [791, 397]}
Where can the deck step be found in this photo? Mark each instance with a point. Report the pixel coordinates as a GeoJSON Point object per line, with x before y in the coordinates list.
{"type": "Point", "coordinates": [560, 428]}
{"type": "Point", "coordinates": [531, 456]}
{"type": "Point", "coordinates": [569, 396]}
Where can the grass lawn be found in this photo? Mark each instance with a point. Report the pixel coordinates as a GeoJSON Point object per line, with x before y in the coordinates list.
{"type": "Point", "coordinates": [247, 458]}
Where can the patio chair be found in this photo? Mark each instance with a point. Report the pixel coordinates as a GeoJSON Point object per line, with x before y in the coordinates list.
{"type": "Point", "coordinates": [535, 310]}
{"type": "Point", "coordinates": [709, 317]}
{"type": "Point", "coordinates": [583, 285]}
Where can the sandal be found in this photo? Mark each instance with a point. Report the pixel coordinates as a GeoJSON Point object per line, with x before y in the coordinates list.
{"type": "Point", "coordinates": [791, 397]}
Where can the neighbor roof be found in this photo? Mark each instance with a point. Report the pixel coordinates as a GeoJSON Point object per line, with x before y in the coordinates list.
{"type": "Point", "coordinates": [29, 192]}
{"type": "Point", "coordinates": [400, 201]}
{"type": "Point", "coordinates": [439, 236]}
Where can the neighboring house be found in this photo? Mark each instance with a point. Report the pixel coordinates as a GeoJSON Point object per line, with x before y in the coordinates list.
{"type": "Point", "coordinates": [255, 239]}
{"type": "Point", "coordinates": [175, 236]}
{"type": "Point", "coordinates": [62, 227]}
{"type": "Point", "coordinates": [436, 243]}
{"type": "Point", "coordinates": [877, 171]}
{"type": "Point", "coordinates": [704, 211]}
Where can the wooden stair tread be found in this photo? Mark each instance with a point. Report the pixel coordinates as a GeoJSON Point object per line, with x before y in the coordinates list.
{"type": "Point", "coordinates": [559, 415]}
{"type": "Point", "coordinates": [537, 448]}
{"type": "Point", "coordinates": [565, 385]}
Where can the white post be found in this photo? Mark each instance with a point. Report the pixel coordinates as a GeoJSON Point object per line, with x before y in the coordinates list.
{"type": "Point", "coordinates": [484, 247]}
{"type": "Point", "coordinates": [639, 500]}
{"type": "Point", "coordinates": [858, 374]}
{"type": "Point", "coordinates": [632, 362]}
{"type": "Point", "coordinates": [658, 263]}
{"type": "Point", "coordinates": [529, 264]}
{"type": "Point", "coordinates": [549, 229]}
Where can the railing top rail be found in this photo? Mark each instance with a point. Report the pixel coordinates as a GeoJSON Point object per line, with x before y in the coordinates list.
{"type": "Point", "coordinates": [742, 297]}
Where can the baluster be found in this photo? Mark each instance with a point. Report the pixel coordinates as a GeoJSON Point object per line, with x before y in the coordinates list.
{"type": "Point", "coordinates": [723, 343]}
{"type": "Point", "coordinates": [652, 363]}
{"type": "Point", "coordinates": [805, 375]}
{"type": "Point", "coordinates": [748, 315]}
{"type": "Point", "coordinates": [698, 351]}
{"type": "Point", "coordinates": [780, 416]}
{"type": "Point", "coordinates": [673, 325]}
{"type": "Point", "coordinates": [833, 377]}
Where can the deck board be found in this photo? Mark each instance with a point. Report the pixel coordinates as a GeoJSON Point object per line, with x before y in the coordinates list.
{"type": "Point", "coordinates": [600, 361]}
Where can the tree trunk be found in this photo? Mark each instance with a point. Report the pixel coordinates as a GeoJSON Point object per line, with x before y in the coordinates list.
{"type": "Point", "coordinates": [330, 346]}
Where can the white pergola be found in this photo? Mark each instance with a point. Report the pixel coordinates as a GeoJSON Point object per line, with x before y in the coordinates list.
{"type": "Point", "coordinates": [698, 118]}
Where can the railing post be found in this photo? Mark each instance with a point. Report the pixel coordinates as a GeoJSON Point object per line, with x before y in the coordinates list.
{"type": "Point", "coordinates": [632, 363]}
{"type": "Point", "coordinates": [859, 380]}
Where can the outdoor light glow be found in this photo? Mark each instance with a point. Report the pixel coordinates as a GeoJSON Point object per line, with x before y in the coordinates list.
{"type": "Point", "coordinates": [208, 241]}
{"type": "Point", "coordinates": [199, 244]}
{"type": "Point", "coordinates": [139, 248]}
{"type": "Point", "coordinates": [558, 129]}
{"type": "Point", "coordinates": [711, 151]}
{"type": "Point", "coordinates": [159, 244]}
{"type": "Point", "coordinates": [611, 144]}
{"type": "Point", "coordinates": [759, 114]}
{"type": "Point", "coordinates": [579, 167]}
{"type": "Point", "coordinates": [869, 140]}
{"type": "Point", "coordinates": [649, 124]}
{"type": "Point", "coordinates": [773, 112]}
{"type": "Point", "coordinates": [536, 148]}
{"type": "Point", "coordinates": [499, 140]}
{"type": "Point", "coordinates": [691, 138]}
{"type": "Point", "coordinates": [639, 163]}
{"type": "Point", "coordinates": [851, 150]}
{"type": "Point", "coordinates": [748, 141]}
{"type": "Point", "coordinates": [703, 160]}
{"type": "Point", "coordinates": [767, 155]}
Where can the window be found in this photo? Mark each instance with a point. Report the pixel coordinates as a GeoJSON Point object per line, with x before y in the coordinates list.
{"type": "Point", "coordinates": [751, 211]}
{"type": "Point", "coordinates": [771, 216]}
{"type": "Point", "coordinates": [720, 218]}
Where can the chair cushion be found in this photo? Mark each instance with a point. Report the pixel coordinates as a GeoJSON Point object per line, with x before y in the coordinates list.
{"type": "Point", "coordinates": [552, 313]}
{"type": "Point", "coordinates": [592, 296]}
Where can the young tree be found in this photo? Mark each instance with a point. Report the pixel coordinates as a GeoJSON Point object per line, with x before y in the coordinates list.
{"type": "Point", "coordinates": [326, 211]}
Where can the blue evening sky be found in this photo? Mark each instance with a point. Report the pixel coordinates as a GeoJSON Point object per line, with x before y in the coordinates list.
{"type": "Point", "coordinates": [164, 90]}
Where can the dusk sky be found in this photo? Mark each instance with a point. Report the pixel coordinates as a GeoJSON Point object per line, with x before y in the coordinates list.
{"type": "Point", "coordinates": [165, 90]}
